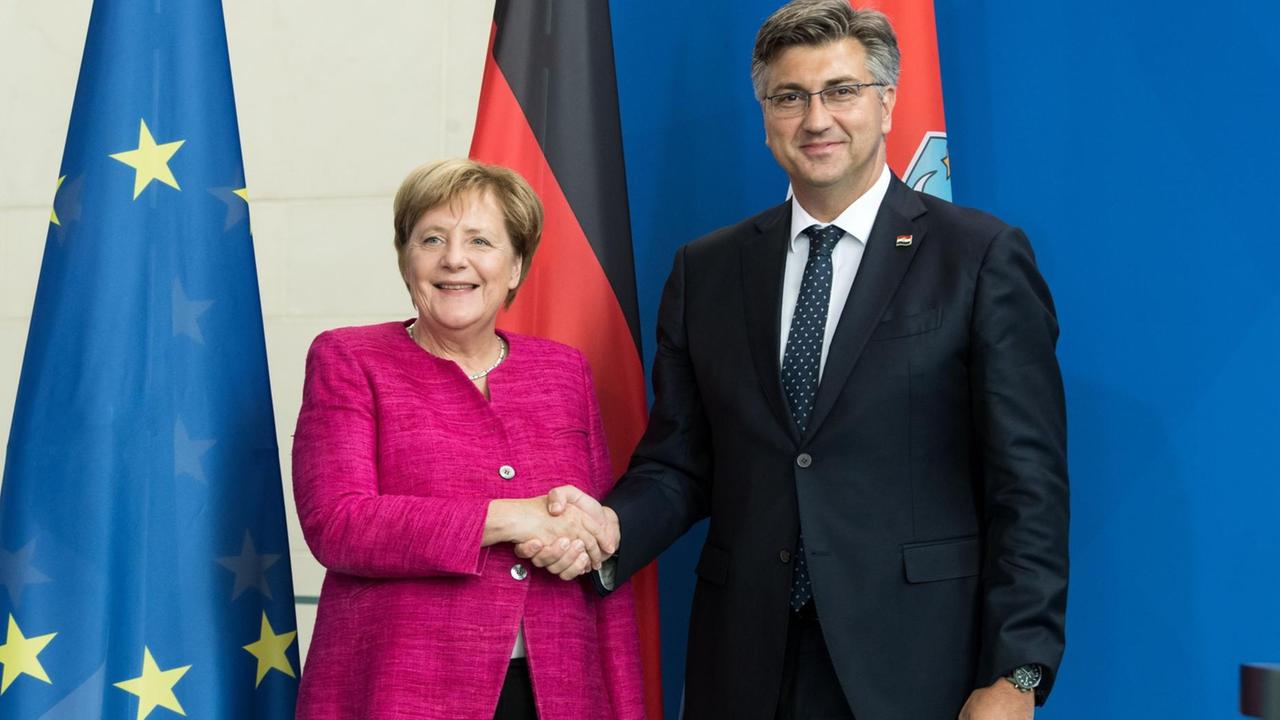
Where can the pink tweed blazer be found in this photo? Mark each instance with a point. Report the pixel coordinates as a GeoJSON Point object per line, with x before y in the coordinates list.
{"type": "Point", "coordinates": [395, 460]}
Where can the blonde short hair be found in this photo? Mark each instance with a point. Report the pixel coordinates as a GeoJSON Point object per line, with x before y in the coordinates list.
{"type": "Point", "coordinates": [441, 182]}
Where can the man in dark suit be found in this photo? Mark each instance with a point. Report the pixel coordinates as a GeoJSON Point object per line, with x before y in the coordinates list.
{"type": "Point", "coordinates": [859, 388]}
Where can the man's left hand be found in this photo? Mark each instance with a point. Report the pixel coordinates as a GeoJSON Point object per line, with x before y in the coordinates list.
{"type": "Point", "coordinates": [999, 701]}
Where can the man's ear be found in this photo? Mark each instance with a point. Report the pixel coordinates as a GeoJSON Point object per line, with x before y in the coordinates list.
{"type": "Point", "coordinates": [887, 102]}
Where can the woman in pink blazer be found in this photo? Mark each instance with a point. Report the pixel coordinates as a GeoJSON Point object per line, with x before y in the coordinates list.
{"type": "Point", "coordinates": [424, 450]}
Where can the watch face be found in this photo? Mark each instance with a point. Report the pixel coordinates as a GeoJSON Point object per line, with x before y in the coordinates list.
{"type": "Point", "coordinates": [1026, 676]}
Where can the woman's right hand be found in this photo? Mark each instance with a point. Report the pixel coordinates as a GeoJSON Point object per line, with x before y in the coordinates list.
{"type": "Point", "coordinates": [560, 556]}
{"type": "Point", "coordinates": [527, 522]}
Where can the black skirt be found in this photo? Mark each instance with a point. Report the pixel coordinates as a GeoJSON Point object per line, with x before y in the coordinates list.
{"type": "Point", "coordinates": [516, 700]}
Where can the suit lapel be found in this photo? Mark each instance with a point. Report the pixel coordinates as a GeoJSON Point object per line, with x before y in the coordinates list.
{"type": "Point", "coordinates": [763, 262]}
{"type": "Point", "coordinates": [883, 266]}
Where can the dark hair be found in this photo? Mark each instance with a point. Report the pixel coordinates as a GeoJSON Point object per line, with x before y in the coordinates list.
{"type": "Point", "coordinates": [817, 22]}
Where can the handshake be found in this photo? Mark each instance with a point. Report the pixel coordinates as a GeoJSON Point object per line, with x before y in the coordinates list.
{"type": "Point", "coordinates": [567, 531]}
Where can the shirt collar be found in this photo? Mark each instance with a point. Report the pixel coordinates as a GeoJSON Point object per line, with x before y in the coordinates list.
{"type": "Point", "coordinates": [856, 220]}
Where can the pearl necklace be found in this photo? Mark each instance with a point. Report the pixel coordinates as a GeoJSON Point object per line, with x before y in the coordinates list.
{"type": "Point", "coordinates": [502, 353]}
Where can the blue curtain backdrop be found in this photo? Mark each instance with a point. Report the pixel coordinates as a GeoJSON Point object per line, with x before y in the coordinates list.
{"type": "Point", "coordinates": [1135, 144]}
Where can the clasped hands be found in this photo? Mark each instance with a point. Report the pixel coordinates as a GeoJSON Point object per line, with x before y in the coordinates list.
{"type": "Point", "coordinates": [566, 531]}
{"type": "Point", "coordinates": [567, 556]}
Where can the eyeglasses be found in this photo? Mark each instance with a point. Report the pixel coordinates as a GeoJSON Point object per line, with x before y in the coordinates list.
{"type": "Point", "coordinates": [795, 103]}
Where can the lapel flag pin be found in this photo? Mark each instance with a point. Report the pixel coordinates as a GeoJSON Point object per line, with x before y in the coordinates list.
{"type": "Point", "coordinates": [904, 241]}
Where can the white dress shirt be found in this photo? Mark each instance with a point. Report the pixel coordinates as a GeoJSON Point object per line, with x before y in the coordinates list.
{"type": "Point", "coordinates": [856, 221]}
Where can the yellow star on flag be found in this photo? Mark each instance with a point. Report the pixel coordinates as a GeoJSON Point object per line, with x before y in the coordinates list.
{"type": "Point", "coordinates": [150, 161]}
{"type": "Point", "coordinates": [53, 211]}
{"type": "Point", "coordinates": [270, 649]}
{"type": "Point", "coordinates": [243, 193]}
{"type": "Point", "coordinates": [154, 687]}
{"type": "Point", "coordinates": [20, 655]}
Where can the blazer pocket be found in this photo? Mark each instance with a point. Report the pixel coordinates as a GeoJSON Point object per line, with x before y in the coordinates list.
{"type": "Point", "coordinates": [913, 324]}
{"type": "Point", "coordinates": [713, 564]}
{"type": "Point", "coordinates": [942, 560]}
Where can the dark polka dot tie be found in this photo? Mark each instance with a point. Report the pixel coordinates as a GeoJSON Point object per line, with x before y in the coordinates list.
{"type": "Point", "coordinates": [801, 361]}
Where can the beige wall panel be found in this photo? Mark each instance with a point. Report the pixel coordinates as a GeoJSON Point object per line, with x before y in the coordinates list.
{"type": "Point", "coordinates": [341, 99]}
{"type": "Point", "coordinates": [13, 340]}
{"type": "Point", "coordinates": [22, 234]}
{"type": "Point", "coordinates": [40, 48]}
{"type": "Point", "coordinates": [306, 621]}
{"type": "Point", "coordinates": [330, 258]}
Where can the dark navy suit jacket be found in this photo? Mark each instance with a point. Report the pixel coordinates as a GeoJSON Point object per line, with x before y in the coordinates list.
{"type": "Point", "coordinates": [931, 482]}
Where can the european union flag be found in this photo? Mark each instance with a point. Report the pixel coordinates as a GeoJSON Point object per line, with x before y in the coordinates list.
{"type": "Point", "coordinates": [143, 552]}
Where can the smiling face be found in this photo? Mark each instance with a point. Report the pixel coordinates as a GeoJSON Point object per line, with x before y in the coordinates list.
{"type": "Point", "coordinates": [460, 265]}
{"type": "Point", "coordinates": [831, 158]}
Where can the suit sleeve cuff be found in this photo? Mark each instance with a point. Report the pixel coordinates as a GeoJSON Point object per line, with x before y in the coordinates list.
{"type": "Point", "coordinates": [604, 578]}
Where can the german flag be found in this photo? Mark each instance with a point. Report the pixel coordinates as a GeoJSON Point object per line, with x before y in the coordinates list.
{"type": "Point", "coordinates": [549, 110]}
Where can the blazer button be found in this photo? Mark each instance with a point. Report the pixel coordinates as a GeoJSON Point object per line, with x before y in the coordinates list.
{"type": "Point", "coordinates": [784, 556]}
{"type": "Point", "coordinates": [507, 472]}
{"type": "Point", "coordinates": [518, 572]}
{"type": "Point", "coordinates": [804, 460]}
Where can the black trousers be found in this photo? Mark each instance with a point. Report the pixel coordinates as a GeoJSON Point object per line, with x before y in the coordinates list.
{"type": "Point", "coordinates": [810, 688]}
{"type": "Point", "coordinates": [516, 700]}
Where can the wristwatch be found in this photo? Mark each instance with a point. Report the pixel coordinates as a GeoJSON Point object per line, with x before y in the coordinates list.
{"type": "Point", "coordinates": [608, 573]}
{"type": "Point", "coordinates": [1025, 677]}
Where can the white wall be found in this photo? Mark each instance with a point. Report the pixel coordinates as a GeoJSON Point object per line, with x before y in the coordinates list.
{"type": "Point", "coordinates": [337, 101]}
